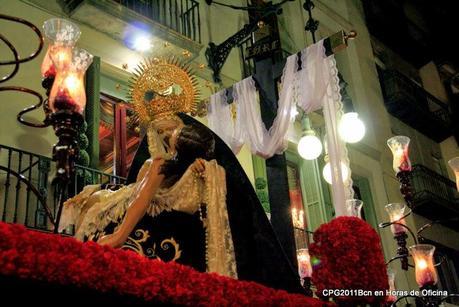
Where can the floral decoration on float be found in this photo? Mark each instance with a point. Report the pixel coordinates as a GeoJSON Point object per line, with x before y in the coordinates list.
{"type": "Point", "coordinates": [62, 260]}
{"type": "Point", "coordinates": [348, 262]}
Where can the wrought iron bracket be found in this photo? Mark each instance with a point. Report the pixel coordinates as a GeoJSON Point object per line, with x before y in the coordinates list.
{"type": "Point", "coordinates": [216, 55]}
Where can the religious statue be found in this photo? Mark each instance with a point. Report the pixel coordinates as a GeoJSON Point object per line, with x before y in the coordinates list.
{"type": "Point", "coordinates": [188, 199]}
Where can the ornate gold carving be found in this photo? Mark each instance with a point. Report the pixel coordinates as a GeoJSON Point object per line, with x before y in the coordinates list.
{"type": "Point", "coordinates": [161, 88]}
{"type": "Point", "coordinates": [167, 243]}
{"type": "Point", "coordinates": [135, 244]}
{"type": "Point", "coordinates": [141, 236]}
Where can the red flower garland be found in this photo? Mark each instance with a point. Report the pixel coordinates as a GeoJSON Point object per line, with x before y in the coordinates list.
{"type": "Point", "coordinates": [347, 256]}
{"type": "Point", "coordinates": [40, 256]}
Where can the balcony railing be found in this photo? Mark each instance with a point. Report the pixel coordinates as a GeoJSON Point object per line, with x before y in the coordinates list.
{"type": "Point", "coordinates": [435, 197]}
{"type": "Point", "coordinates": [181, 16]}
{"type": "Point", "coordinates": [411, 104]}
{"type": "Point", "coordinates": [26, 185]}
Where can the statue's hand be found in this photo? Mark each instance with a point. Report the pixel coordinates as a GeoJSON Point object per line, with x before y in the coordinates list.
{"type": "Point", "coordinates": [198, 166]}
{"type": "Point", "coordinates": [113, 240]}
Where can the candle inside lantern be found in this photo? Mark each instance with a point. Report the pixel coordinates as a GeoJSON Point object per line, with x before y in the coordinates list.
{"type": "Point", "coordinates": [304, 263]}
{"type": "Point", "coordinates": [399, 146]}
{"type": "Point", "coordinates": [354, 207]}
{"type": "Point", "coordinates": [298, 218]}
{"type": "Point", "coordinates": [391, 279]}
{"type": "Point", "coordinates": [454, 164]}
{"type": "Point", "coordinates": [426, 275]}
{"type": "Point", "coordinates": [62, 35]}
{"type": "Point", "coordinates": [396, 212]}
{"type": "Point", "coordinates": [68, 92]}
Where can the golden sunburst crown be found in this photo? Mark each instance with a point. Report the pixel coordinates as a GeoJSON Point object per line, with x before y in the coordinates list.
{"type": "Point", "coordinates": [160, 88]}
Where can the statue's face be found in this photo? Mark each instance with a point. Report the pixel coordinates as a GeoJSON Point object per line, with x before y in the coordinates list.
{"type": "Point", "coordinates": [168, 131]}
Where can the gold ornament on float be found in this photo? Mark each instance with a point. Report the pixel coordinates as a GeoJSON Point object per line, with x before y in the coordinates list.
{"type": "Point", "coordinates": [161, 88]}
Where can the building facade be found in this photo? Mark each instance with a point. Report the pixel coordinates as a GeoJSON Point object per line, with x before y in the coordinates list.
{"type": "Point", "coordinates": [379, 81]}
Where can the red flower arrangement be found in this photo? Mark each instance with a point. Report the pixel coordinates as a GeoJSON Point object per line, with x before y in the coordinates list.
{"type": "Point", "coordinates": [347, 256]}
{"type": "Point", "coordinates": [52, 258]}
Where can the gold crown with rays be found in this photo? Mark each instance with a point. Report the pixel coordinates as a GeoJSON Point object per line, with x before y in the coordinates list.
{"type": "Point", "coordinates": [160, 88]}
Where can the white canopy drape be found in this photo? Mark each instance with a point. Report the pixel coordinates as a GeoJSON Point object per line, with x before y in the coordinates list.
{"type": "Point", "coordinates": [314, 87]}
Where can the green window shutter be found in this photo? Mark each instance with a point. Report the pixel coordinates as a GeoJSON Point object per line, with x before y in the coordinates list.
{"type": "Point", "coordinates": [92, 113]}
{"type": "Point", "coordinates": [261, 182]}
{"type": "Point", "coordinates": [313, 193]}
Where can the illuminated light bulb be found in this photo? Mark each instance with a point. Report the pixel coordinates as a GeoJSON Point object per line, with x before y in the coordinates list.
{"type": "Point", "coordinates": [309, 147]}
{"type": "Point", "coordinates": [142, 43]}
{"type": "Point", "coordinates": [351, 128]}
{"type": "Point", "coordinates": [326, 172]}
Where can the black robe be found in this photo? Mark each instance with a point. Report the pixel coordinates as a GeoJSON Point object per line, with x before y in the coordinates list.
{"type": "Point", "coordinates": [259, 255]}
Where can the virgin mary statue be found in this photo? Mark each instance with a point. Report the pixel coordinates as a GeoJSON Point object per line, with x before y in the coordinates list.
{"type": "Point", "coordinates": [187, 198]}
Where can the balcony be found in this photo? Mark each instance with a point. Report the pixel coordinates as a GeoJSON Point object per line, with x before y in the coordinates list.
{"type": "Point", "coordinates": [435, 197]}
{"type": "Point", "coordinates": [26, 185]}
{"type": "Point", "coordinates": [414, 106]}
{"type": "Point", "coordinates": [175, 22]}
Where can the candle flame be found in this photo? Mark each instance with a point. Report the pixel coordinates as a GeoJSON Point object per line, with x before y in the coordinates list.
{"type": "Point", "coordinates": [422, 264]}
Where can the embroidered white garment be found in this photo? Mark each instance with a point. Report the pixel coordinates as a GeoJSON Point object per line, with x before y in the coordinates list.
{"type": "Point", "coordinates": [186, 195]}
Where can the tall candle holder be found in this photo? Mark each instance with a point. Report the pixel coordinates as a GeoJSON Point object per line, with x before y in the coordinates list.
{"type": "Point", "coordinates": [63, 69]}
{"type": "Point", "coordinates": [305, 269]}
{"type": "Point", "coordinates": [422, 254]}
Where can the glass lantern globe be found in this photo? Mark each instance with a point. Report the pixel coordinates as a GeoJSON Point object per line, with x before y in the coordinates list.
{"type": "Point", "coordinates": [396, 211]}
{"type": "Point", "coordinates": [68, 92]}
{"type": "Point", "coordinates": [354, 207]}
{"type": "Point", "coordinates": [304, 263]}
{"type": "Point", "coordinates": [399, 146]}
{"type": "Point", "coordinates": [351, 128]}
{"type": "Point", "coordinates": [62, 36]}
{"type": "Point", "coordinates": [426, 274]}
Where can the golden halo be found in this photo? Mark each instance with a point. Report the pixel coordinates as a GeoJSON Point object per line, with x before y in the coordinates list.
{"type": "Point", "coordinates": [160, 88]}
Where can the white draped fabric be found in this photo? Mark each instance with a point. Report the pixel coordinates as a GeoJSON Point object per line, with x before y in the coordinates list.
{"type": "Point", "coordinates": [249, 127]}
{"type": "Point", "coordinates": [220, 120]}
{"type": "Point", "coordinates": [320, 89]}
{"type": "Point", "coordinates": [314, 87]}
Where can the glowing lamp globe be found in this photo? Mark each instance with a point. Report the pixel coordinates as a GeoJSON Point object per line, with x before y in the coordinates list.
{"type": "Point", "coordinates": [351, 129]}
{"type": "Point", "coordinates": [326, 172]}
{"type": "Point", "coordinates": [309, 147]}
